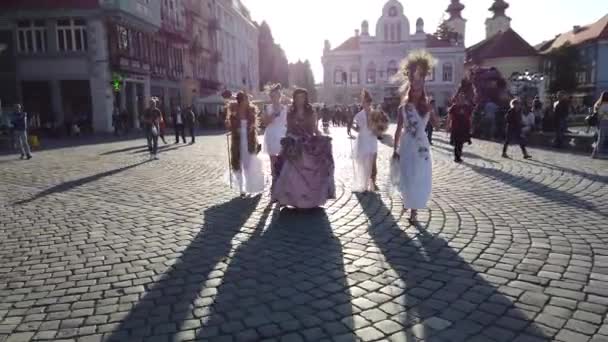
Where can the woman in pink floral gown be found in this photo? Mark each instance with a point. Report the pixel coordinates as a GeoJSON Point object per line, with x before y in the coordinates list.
{"type": "Point", "coordinates": [306, 177]}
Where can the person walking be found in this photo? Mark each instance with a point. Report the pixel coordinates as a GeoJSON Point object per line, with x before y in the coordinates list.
{"type": "Point", "coordinates": [275, 120]}
{"type": "Point", "coordinates": [412, 150]}
{"type": "Point", "coordinates": [19, 122]}
{"type": "Point", "coordinates": [601, 110]}
{"type": "Point", "coordinates": [459, 123]}
{"type": "Point", "coordinates": [162, 128]}
{"type": "Point", "coordinates": [366, 148]}
{"type": "Point", "coordinates": [178, 125]}
{"type": "Point", "coordinates": [513, 131]}
{"type": "Point", "coordinates": [151, 125]}
{"type": "Point", "coordinates": [429, 126]}
{"type": "Point", "coordinates": [560, 118]}
{"type": "Point", "coordinates": [190, 120]}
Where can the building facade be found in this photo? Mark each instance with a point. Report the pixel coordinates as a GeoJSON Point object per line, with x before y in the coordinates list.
{"type": "Point", "coordinates": [591, 43]}
{"type": "Point", "coordinates": [503, 48]}
{"type": "Point", "coordinates": [369, 61]}
{"type": "Point", "coordinates": [78, 61]}
{"type": "Point", "coordinates": [237, 39]}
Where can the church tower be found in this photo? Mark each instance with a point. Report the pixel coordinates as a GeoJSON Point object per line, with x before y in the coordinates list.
{"type": "Point", "coordinates": [456, 22]}
{"type": "Point", "coordinates": [500, 22]}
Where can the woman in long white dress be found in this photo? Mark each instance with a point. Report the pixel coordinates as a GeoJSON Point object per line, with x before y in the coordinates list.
{"type": "Point", "coordinates": [366, 148]}
{"type": "Point", "coordinates": [246, 167]}
{"type": "Point", "coordinates": [413, 150]}
{"type": "Point", "coordinates": [275, 120]}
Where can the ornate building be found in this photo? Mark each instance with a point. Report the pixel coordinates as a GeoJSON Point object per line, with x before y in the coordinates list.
{"type": "Point", "coordinates": [369, 60]}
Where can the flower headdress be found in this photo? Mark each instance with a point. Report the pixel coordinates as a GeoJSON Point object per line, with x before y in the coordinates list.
{"type": "Point", "coordinates": [271, 88]}
{"type": "Point", "coordinates": [414, 68]}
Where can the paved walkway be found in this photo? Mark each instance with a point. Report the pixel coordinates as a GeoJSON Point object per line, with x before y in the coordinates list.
{"type": "Point", "coordinates": [98, 244]}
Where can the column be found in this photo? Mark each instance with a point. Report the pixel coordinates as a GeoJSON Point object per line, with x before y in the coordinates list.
{"type": "Point", "coordinates": [57, 103]}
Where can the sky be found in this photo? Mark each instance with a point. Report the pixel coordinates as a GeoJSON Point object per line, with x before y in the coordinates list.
{"type": "Point", "coordinates": [301, 26]}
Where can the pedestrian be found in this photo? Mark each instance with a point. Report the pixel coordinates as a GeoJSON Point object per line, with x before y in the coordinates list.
{"type": "Point", "coordinates": [246, 166]}
{"type": "Point", "coordinates": [489, 120]}
{"type": "Point", "coordinates": [601, 110]}
{"type": "Point", "coordinates": [190, 120]}
{"type": "Point", "coordinates": [19, 123]}
{"type": "Point", "coordinates": [412, 150]}
{"type": "Point", "coordinates": [537, 108]}
{"type": "Point", "coordinates": [429, 126]}
{"type": "Point", "coordinates": [460, 116]}
{"type": "Point", "coordinates": [162, 128]}
{"type": "Point", "coordinates": [275, 121]}
{"type": "Point", "coordinates": [178, 125]}
{"type": "Point", "coordinates": [151, 123]}
{"type": "Point", "coordinates": [366, 148]}
{"type": "Point", "coordinates": [513, 131]}
{"type": "Point", "coordinates": [561, 110]}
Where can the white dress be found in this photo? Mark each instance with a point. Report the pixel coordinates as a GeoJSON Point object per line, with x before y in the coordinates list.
{"type": "Point", "coordinates": [416, 160]}
{"type": "Point", "coordinates": [250, 178]}
{"type": "Point", "coordinates": [366, 147]}
{"type": "Point", "coordinates": [275, 131]}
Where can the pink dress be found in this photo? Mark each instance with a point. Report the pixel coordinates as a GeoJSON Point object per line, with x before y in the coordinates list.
{"type": "Point", "coordinates": [306, 178]}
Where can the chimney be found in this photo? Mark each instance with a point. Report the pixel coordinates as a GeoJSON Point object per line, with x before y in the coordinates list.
{"type": "Point", "coordinates": [576, 28]}
{"type": "Point", "coordinates": [357, 33]}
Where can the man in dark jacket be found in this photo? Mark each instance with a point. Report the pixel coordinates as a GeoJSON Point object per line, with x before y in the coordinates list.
{"type": "Point", "coordinates": [560, 117]}
{"type": "Point", "coordinates": [19, 122]}
{"type": "Point", "coordinates": [190, 120]}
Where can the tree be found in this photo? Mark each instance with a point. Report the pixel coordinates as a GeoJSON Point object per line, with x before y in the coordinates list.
{"type": "Point", "coordinates": [564, 66]}
{"type": "Point", "coordinates": [301, 76]}
{"type": "Point", "coordinates": [445, 33]}
{"type": "Point", "coordinates": [273, 62]}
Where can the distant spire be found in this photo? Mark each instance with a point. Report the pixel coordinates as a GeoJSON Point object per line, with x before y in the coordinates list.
{"type": "Point", "coordinates": [499, 7]}
{"type": "Point", "coordinates": [455, 9]}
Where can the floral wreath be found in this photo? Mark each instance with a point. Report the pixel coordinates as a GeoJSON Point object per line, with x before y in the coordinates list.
{"type": "Point", "coordinates": [414, 69]}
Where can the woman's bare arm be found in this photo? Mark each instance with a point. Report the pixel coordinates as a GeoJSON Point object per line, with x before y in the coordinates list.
{"type": "Point", "coordinates": [398, 132]}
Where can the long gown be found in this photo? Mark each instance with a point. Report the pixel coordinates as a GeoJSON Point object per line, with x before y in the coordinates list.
{"type": "Point", "coordinates": [250, 178]}
{"type": "Point", "coordinates": [275, 131]}
{"type": "Point", "coordinates": [366, 147]}
{"type": "Point", "coordinates": [416, 160]}
{"type": "Point", "coordinates": [306, 177]}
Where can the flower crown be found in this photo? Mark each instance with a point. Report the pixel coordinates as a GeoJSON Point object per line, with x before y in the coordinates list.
{"type": "Point", "coordinates": [414, 68]}
{"type": "Point", "coordinates": [271, 88]}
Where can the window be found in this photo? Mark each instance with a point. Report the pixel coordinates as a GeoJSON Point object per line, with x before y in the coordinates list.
{"type": "Point", "coordinates": [31, 36]}
{"type": "Point", "coordinates": [392, 34]}
{"type": "Point", "coordinates": [448, 71]}
{"type": "Point", "coordinates": [123, 38]}
{"type": "Point", "coordinates": [371, 74]}
{"type": "Point", "coordinates": [339, 76]}
{"type": "Point", "coordinates": [385, 31]}
{"type": "Point", "coordinates": [354, 76]}
{"type": "Point", "coordinates": [431, 75]}
{"type": "Point", "coordinates": [71, 35]}
{"type": "Point", "coordinates": [399, 31]}
{"type": "Point", "coordinates": [392, 68]}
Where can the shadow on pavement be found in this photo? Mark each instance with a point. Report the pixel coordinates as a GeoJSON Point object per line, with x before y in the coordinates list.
{"type": "Point", "coordinates": [588, 176]}
{"type": "Point", "coordinates": [448, 150]}
{"type": "Point", "coordinates": [536, 188]}
{"type": "Point", "coordinates": [67, 186]}
{"type": "Point", "coordinates": [181, 297]}
{"type": "Point", "coordinates": [126, 149]}
{"type": "Point", "coordinates": [285, 280]}
{"type": "Point", "coordinates": [442, 297]}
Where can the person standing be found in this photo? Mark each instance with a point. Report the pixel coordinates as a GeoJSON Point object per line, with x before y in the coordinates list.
{"type": "Point", "coordinates": [366, 148]}
{"type": "Point", "coordinates": [162, 128]}
{"type": "Point", "coordinates": [412, 149]}
{"type": "Point", "coordinates": [246, 166]}
{"type": "Point", "coordinates": [275, 121]}
{"type": "Point", "coordinates": [560, 118]}
{"type": "Point", "coordinates": [460, 123]}
{"type": "Point", "coordinates": [19, 122]}
{"type": "Point", "coordinates": [429, 126]}
{"type": "Point", "coordinates": [537, 109]}
{"type": "Point", "coordinates": [151, 125]}
{"type": "Point", "coordinates": [178, 125]}
{"type": "Point", "coordinates": [601, 110]}
{"type": "Point", "coordinates": [513, 131]}
{"type": "Point", "coordinates": [190, 123]}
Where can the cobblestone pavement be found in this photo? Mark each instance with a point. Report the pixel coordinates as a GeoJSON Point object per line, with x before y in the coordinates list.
{"type": "Point", "coordinates": [97, 243]}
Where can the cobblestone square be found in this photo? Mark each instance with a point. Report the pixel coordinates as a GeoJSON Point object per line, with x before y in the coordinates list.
{"type": "Point", "coordinates": [99, 244]}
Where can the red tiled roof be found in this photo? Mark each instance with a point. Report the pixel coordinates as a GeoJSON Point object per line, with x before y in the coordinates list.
{"type": "Point", "coordinates": [433, 42]}
{"type": "Point", "coordinates": [587, 33]}
{"type": "Point", "coordinates": [503, 44]}
{"type": "Point", "coordinates": [350, 44]}
{"type": "Point", "coordinates": [48, 4]}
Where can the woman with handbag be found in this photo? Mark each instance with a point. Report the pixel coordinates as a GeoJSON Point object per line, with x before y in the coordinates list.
{"type": "Point", "coordinates": [246, 166]}
{"type": "Point", "coordinates": [601, 112]}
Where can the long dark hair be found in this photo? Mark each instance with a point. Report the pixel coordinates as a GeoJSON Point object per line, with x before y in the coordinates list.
{"type": "Point", "coordinates": [307, 107]}
{"type": "Point", "coordinates": [233, 109]}
{"type": "Point", "coordinates": [421, 105]}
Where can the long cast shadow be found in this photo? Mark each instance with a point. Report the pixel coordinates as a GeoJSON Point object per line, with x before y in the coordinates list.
{"type": "Point", "coordinates": [588, 176]}
{"type": "Point", "coordinates": [465, 154]}
{"type": "Point", "coordinates": [180, 297]}
{"type": "Point", "coordinates": [537, 189]}
{"type": "Point", "coordinates": [289, 278]}
{"type": "Point", "coordinates": [67, 186]}
{"type": "Point", "coordinates": [444, 298]}
{"type": "Point", "coordinates": [120, 150]}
